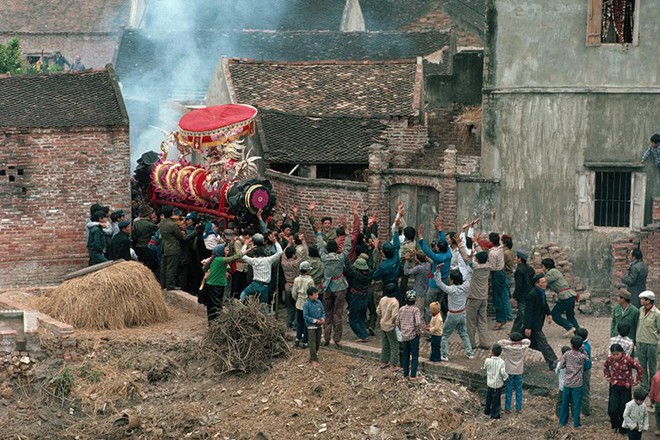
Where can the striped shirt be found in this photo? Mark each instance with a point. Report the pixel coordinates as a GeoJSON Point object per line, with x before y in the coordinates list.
{"type": "Point", "coordinates": [495, 372]}
{"type": "Point", "coordinates": [261, 266]}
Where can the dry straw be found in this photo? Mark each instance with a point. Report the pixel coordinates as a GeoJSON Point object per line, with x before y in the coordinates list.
{"type": "Point", "coordinates": [467, 121]}
{"type": "Point", "coordinates": [122, 295]}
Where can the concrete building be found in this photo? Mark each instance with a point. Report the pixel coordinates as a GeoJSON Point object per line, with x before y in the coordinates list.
{"type": "Point", "coordinates": [63, 146]}
{"type": "Point", "coordinates": [571, 98]}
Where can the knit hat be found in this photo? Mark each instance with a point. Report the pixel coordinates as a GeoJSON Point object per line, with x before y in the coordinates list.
{"type": "Point", "coordinates": [305, 266]}
{"type": "Point", "coordinates": [434, 308]}
{"type": "Point", "coordinates": [219, 249]}
{"type": "Point", "coordinates": [623, 293]}
{"type": "Point", "coordinates": [411, 296]}
{"type": "Point", "coordinates": [124, 223]}
{"type": "Point", "coordinates": [522, 255]}
{"type": "Point", "coordinates": [361, 264]}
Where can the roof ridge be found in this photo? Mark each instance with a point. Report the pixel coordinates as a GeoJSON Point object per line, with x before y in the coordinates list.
{"type": "Point", "coordinates": [236, 61]}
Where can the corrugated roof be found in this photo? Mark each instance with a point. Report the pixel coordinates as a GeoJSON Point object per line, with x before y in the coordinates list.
{"type": "Point", "coordinates": [61, 100]}
{"type": "Point", "coordinates": [303, 139]}
{"type": "Point", "coordinates": [369, 89]}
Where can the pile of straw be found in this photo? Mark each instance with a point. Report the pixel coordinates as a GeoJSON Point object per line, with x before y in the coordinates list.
{"type": "Point", "coordinates": [243, 339]}
{"type": "Point", "coordinates": [468, 120]}
{"type": "Point", "coordinates": [123, 295]}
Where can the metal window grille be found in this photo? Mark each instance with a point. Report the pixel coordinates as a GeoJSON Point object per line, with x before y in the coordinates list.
{"type": "Point", "coordinates": [612, 198]}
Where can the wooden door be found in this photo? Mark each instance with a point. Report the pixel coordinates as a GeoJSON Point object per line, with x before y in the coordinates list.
{"type": "Point", "coordinates": [421, 205]}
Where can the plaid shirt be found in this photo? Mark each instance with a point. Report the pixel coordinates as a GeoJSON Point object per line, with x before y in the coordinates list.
{"type": "Point", "coordinates": [573, 361]}
{"type": "Point", "coordinates": [409, 322]}
{"type": "Point", "coordinates": [652, 151]}
{"type": "Point", "coordinates": [619, 371]}
{"type": "Point", "coordinates": [625, 342]}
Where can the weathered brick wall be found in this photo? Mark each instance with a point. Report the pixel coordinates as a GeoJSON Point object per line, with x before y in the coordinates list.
{"type": "Point", "coordinates": [405, 142]}
{"type": "Point", "coordinates": [48, 180]}
{"type": "Point", "coordinates": [443, 131]}
{"type": "Point", "coordinates": [649, 243]}
{"type": "Point", "coordinates": [656, 210]}
{"type": "Point", "coordinates": [333, 197]}
{"type": "Point", "coordinates": [467, 165]}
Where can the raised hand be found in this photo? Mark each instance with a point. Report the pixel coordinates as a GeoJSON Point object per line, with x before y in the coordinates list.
{"type": "Point", "coordinates": [312, 205]}
{"type": "Point", "coordinates": [420, 232]}
{"type": "Point", "coordinates": [437, 222]}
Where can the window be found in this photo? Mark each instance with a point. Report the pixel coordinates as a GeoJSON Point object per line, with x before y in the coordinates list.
{"type": "Point", "coordinates": [612, 21]}
{"type": "Point", "coordinates": [610, 199]}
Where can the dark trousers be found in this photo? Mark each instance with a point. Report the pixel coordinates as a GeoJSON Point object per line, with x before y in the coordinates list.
{"type": "Point", "coordinates": [145, 257]}
{"type": "Point", "coordinates": [301, 328]}
{"type": "Point", "coordinates": [333, 303]}
{"type": "Point", "coordinates": [570, 396]}
{"type": "Point", "coordinates": [314, 343]}
{"type": "Point", "coordinates": [565, 306]}
{"type": "Point", "coordinates": [185, 277]}
{"type": "Point", "coordinates": [616, 404]}
{"type": "Point", "coordinates": [410, 357]}
{"type": "Point", "coordinates": [358, 314]}
{"type": "Point", "coordinates": [169, 270]}
{"type": "Point", "coordinates": [540, 343]}
{"type": "Point", "coordinates": [290, 309]}
{"type": "Point", "coordinates": [239, 281]}
{"type": "Point", "coordinates": [634, 434]}
{"type": "Point", "coordinates": [214, 305]}
{"type": "Point", "coordinates": [493, 406]}
{"type": "Point", "coordinates": [371, 307]}
{"type": "Point", "coordinates": [518, 322]}
{"type": "Point", "coordinates": [436, 341]}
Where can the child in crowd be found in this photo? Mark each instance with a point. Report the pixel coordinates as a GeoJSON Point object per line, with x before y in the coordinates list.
{"type": "Point", "coordinates": [654, 396]}
{"type": "Point", "coordinates": [410, 322]}
{"type": "Point", "coordinates": [635, 417]}
{"type": "Point", "coordinates": [301, 284]}
{"type": "Point", "coordinates": [573, 361]}
{"type": "Point", "coordinates": [514, 353]}
{"type": "Point", "coordinates": [495, 377]}
{"type": "Point", "coordinates": [314, 316]}
{"type": "Point", "coordinates": [435, 330]}
{"type": "Point", "coordinates": [560, 372]}
{"type": "Point", "coordinates": [623, 338]}
{"type": "Point", "coordinates": [618, 370]}
{"type": "Point", "coordinates": [388, 310]}
{"type": "Point", "coordinates": [586, 375]}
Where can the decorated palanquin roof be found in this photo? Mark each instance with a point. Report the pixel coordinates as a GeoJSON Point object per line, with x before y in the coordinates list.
{"type": "Point", "coordinates": [365, 89]}
{"type": "Point", "coordinates": [61, 100]}
{"type": "Point", "coordinates": [304, 139]}
{"type": "Point", "coordinates": [52, 16]}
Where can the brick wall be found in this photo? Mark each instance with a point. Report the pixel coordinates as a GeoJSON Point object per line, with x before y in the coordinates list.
{"type": "Point", "coordinates": [333, 197]}
{"type": "Point", "coordinates": [649, 243]}
{"type": "Point", "coordinates": [443, 131]}
{"type": "Point", "coordinates": [48, 180]}
{"type": "Point", "coordinates": [405, 141]}
{"type": "Point", "coordinates": [468, 165]}
{"type": "Point", "coordinates": [656, 210]}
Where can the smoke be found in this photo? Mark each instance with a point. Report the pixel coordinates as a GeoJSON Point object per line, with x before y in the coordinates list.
{"type": "Point", "coordinates": [174, 54]}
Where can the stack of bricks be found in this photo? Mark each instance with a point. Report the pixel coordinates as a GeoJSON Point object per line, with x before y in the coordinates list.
{"type": "Point", "coordinates": [563, 264]}
{"type": "Point", "coordinates": [620, 252]}
{"type": "Point", "coordinates": [650, 246]}
{"type": "Point", "coordinates": [656, 210]}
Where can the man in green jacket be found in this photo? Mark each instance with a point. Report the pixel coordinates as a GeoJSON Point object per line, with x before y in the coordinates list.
{"type": "Point", "coordinates": [624, 313]}
{"type": "Point", "coordinates": [172, 237]}
{"type": "Point", "coordinates": [648, 329]}
{"type": "Point", "coordinates": [96, 238]}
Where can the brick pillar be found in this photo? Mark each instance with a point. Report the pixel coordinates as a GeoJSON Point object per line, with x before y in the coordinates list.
{"type": "Point", "coordinates": [656, 209]}
{"type": "Point", "coordinates": [448, 196]}
{"type": "Point", "coordinates": [377, 193]}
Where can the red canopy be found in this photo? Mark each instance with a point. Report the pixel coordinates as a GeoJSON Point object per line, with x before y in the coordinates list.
{"type": "Point", "coordinates": [212, 126]}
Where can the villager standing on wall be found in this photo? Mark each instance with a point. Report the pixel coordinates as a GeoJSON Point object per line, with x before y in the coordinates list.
{"type": "Point", "coordinates": [537, 312]}
{"type": "Point", "coordinates": [565, 297]}
{"type": "Point", "coordinates": [635, 279]}
{"type": "Point", "coordinates": [653, 150]}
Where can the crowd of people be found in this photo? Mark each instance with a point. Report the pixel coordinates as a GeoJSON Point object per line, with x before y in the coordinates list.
{"type": "Point", "coordinates": [416, 291]}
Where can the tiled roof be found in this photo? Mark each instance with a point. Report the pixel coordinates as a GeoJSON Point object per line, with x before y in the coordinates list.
{"type": "Point", "coordinates": [287, 15]}
{"type": "Point", "coordinates": [303, 139]}
{"type": "Point", "coordinates": [77, 16]}
{"type": "Point", "coordinates": [61, 100]}
{"type": "Point", "coordinates": [149, 58]}
{"type": "Point", "coordinates": [370, 89]}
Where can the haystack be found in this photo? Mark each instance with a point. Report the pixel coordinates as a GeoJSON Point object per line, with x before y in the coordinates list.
{"type": "Point", "coordinates": [243, 339]}
{"type": "Point", "coordinates": [123, 295]}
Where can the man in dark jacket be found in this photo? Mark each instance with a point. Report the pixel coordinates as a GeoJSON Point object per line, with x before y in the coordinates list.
{"type": "Point", "coordinates": [523, 276]}
{"type": "Point", "coordinates": [96, 238]}
{"type": "Point", "coordinates": [120, 248]}
{"type": "Point", "coordinates": [171, 237]}
{"type": "Point", "coordinates": [536, 312]}
{"type": "Point", "coordinates": [142, 231]}
{"type": "Point", "coordinates": [635, 279]}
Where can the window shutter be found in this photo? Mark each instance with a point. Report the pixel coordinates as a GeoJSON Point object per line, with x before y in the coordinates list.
{"type": "Point", "coordinates": [584, 205]}
{"type": "Point", "coordinates": [594, 22]}
{"type": "Point", "coordinates": [637, 200]}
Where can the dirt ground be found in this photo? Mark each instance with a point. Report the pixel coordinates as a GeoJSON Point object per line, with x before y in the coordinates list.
{"type": "Point", "coordinates": [161, 376]}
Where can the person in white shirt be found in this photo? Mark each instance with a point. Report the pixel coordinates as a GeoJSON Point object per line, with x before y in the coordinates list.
{"type": "Point", "coordinates": [261, 266]}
